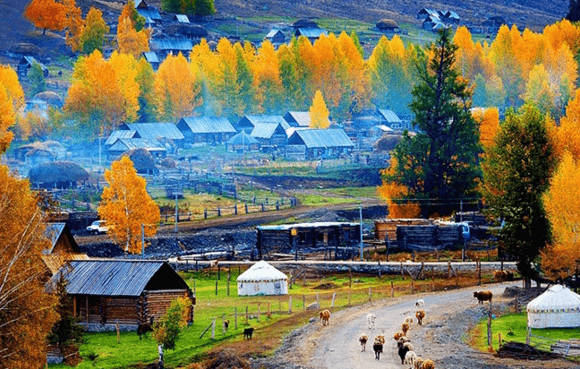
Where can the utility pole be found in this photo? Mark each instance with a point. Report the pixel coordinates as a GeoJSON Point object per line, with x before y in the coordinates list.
{"type": "Point", "coordinates": [176, 212]}
{"type": "Point", "coordinates": [142, 241]}
{"type": "Point", "coordinates": [361, 232]}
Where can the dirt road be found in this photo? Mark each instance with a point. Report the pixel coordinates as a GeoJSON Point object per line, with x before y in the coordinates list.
{"type": "Point", "coordinates": [450, 315]}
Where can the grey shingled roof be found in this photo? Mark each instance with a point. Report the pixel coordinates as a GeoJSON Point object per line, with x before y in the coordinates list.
{"type": "Point", "coordinates": [208, 124]}
{"type": "Point", "coordinates": [273, 33]}
{"type": "Point", "coordinates": [118, 134]}
{"type": "Point", "coordinates": [155, 130]}
{"type": "Point", "coordinates": [311, 32]}
{"type": "Point", "coordinates": [151, 57]}
{"type": "Point", "coordinates": [265, 130]}
{"type": "Point", "coordinates": [180, 44]}
{"type": "Point", "coordinates": [151, 13]}
{"type": "Point", "coordinates": [320, 138]}
{"type": "Point", "coordinates": [256, 119]}
{"type": "Point", "coordinates": [150, 144]}
{"type": "Point", "coordinates": [389, 115]}
{"type": "Point", "coordinates": [301, 117]}
{"type": "Point", "coordinates": [53, 232]}
{"type": "Point", "coordinates": [108, 277]}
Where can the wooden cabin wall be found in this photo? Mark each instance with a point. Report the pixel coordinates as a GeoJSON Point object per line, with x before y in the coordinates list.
{"type": "Point", "coordinates": [156, 303]}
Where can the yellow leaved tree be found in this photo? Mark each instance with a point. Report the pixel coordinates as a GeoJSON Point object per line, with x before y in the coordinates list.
{"type": "Point", "coordinates": [318, 112]}
{"type": "Point", "coordinates": [11, 100]}
{"type": "Point", "coordinates": [126, 206]}
{"type": "Point", "coordinates": [394, 193]}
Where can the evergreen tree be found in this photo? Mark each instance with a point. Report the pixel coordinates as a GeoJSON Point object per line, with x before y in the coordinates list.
{"type": "Point", "coordinates": [204, 7]}
{"type": "Point", "coordinates": [440, 163]}
{"type": "Point", "coordinates": [36, 78]}
{"type": "Point", "coordinates": [516, 170]}
{"type": "Point", "coordinates": [171, 6]}
{"type": "Point", "coordinates": [573, 11]}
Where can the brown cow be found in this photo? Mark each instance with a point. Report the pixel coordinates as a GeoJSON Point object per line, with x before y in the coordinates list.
{"type": "Point", "coordinates": [483, 296]}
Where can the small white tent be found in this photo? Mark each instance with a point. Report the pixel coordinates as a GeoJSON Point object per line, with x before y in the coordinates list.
{"type": "Point", "coordinates": [262, 279]}
{"type": "Point", "coordinates": [558, 307]}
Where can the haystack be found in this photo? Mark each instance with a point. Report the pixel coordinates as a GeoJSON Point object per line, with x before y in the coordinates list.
{"type": "Point", "coordinates": [142, 160]}
{"type": "Point", "coordinates": [50, 97]}
{"type": "Point", "coordinates": [387, 25]}
{"type": "Point", "coordinates": [60, 174]}
{"type": "Point", "coordinates": [304, 23]}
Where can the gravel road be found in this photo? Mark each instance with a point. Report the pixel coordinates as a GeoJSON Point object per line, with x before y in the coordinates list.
{"type": "Point", "coordinates": [450, 314]}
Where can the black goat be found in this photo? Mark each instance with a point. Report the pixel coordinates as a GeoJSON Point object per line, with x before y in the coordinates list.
{"type": "Point", "coordinates": [402, 352]}
{"type": "Point", "coordinates": [143, 328]}
{"type": "Point", "coordinates": [378, 347]}
{"type": "Point", "coordinates": [248, 333]}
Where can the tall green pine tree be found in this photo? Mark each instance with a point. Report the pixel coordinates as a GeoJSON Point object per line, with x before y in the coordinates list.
{"type": "Point", "coordinates": [573, 11]}
{"type": "Point", "coordinates": [440, 163]}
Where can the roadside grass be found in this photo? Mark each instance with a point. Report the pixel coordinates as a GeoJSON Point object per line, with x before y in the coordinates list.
{"type": "Point", "coordinates": [357, 192]}
{"type": "Point", "coordinates": [322, 200]}
{"type": "Point", "coordinates": [270, 328]}
{"type": "Point", "coordinates": [513, 328]}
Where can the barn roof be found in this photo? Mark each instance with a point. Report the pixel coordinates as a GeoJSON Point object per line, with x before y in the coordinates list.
{"type": "Point", "coordinates": [118, 134]}
{"type": "Point", "coordinates": [311, 32]}
{"type": "Point", "coordinates": [155, 130]}
{"type": "Point", "coordinates": [30, 60]}
{"type": "Point", "coordinates": [207, 125]}
{"type": "Point", "coordinates": [54, 231]}
{"type": "Point", "coordinates": [266, 130]}
{"type": "Point", "coordinates": [150, 144]}
{"type": "Point", "coordinates": [140, 4]}
{"type": "Point", "coordinates": [389, 115]}
{"type": "Point", "coordinates": [242, 138]}
{"type": "Point", "coordinates": [181, 44]}
{"type": "Point", "coordinates": [274, 32]}
{"type": "Point", "coordinates": [150, 13]}
{"type": "Point", "coordinates": [302, 118]}
{"type": "Point", "coordinates": [181, 18]}
{"type": "Point", "coordinates": [151, 57]}
{"type": "Point", "coordinates": [256, 119]}
{"type": "Point", "coordinates": [314, 138]}
{"type": "Point", "coordinates": [118, 277]}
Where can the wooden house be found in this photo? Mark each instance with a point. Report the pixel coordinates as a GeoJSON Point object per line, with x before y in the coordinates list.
{"type": "Point", "coordinates": [342, 238]}
{"type": "Point", "coordinates": [451, 17]}
{"type": "Point", "coordinates": [151, 58]}
{"type": "Point", "coordinates": [304, 23]}
{"type": "Point", "coordinates": [276, 37]}
{"type": "Point", "coordinates": [426, 12]}
{"type": "Point", "coordinates": [152, 145]}
{"type": "Point", "coordinates": [430, 22]}
{"type": "Point", "coordinates": [181, 18]}
{"type": "Point", "coordinates": [127, 292]}
{"type": "Point", "coordinates": [206, 130]}
{"type": "Point", "coordinates": [150, 14]}
{"type": "Point", "coordinates": [248, 122]}
{"type": "Point", "coordinates": [387, 25]}
{"type": "Point", "coordinates": [242, 142]}
{"type": "Point", "coordinates": [63, 247]}
{"type": "Point", "coordinates": [298, 118]}
{"type": "Point", "coordinates": [156, 130]}
{"type": "Point", "coordinates": [270, 134]}
{"type": "Point", "coordinates": [140, 4]}
{"type": "Point", "coordinates": [312, 34]}
{"type": "Point", "coordinates": [391, 120]}
{"type": "Point", "coordinates": [28, 62]}
{"type": "Point", "coordinates": [320, 143]}
{"type": "Point", "coordinates": [164, 47]}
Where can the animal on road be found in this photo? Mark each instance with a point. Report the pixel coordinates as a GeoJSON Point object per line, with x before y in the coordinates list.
{"type": "Point", "coordinates": [410, 358]}
{"type": "Point", "coordinates": [363, 339]}
{"type": "Point", "coordinates": [420, 315]}
{"type": "Point", "coordinates": [380, 338]}
{"type": "Point", "coordinates": [483, 296]}
{"type": "Point", "coordinates": [403, 349]}
{"type": "Point", "coordinates": [398, 335]}
{"type": "Point", "coordinates": [503, 275]}
{"type": "Point", "coordinates": [420, 304]}
{"type": "Point", "coordinates": [248, 333]}
{"type": "Point", "coordinates": [143, 328]}
{"type": "Point", "coordinates": [405, 328]}
{"type": "Point", "coordinates": [371, 320]}
{"type": "Point", "coordinates": [378, 348]}
{"type": "Point", "coordinates": [409, 321]}
{"type": "Point", "coordinates": [325, 316]}
{"type": "Point", "coordinates": [428, 364]}
{"type": "Point", "coordinates": [418, 363]}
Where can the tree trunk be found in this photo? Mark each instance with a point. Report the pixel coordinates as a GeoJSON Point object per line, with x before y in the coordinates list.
{"type": "Point", "coordinates": [160, 360]}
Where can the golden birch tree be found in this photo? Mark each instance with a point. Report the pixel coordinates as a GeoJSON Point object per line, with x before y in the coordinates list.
{"type": "Point", "coordinates": [319, 112]}
{"type": "Point", "coordinates": [126, 206]}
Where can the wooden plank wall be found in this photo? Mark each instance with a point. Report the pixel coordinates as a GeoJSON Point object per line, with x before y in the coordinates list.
{"type": "Point", "coordinates": [108, 310]}
{"type": "Point", "coordinates": [156, 303]}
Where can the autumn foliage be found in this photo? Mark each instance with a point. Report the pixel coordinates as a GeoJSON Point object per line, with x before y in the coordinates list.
{"type": "Point", "coordinates": [46, 14]}
{"type": "Point", "coordinates": [126, 206]}
{"type": "Point", "coordinates": [11, 100]}
{"type": "Point", "coordinates": [394, 195]}
{"type": "Point", "coordinates": [318, 112]}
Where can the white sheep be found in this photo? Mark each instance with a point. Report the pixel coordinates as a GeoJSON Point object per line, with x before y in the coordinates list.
{"type": "Point", "coordinates": [420, 304]}
{"type": "Point", "coordinates": [371, 320]}
{"type": "Point", "coordinates": [410, 358]}
{"type": "Point", "coordinates": [409, 321]}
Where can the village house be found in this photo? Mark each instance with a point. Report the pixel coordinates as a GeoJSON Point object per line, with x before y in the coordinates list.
{"type": "Point", "coordinates": [391, 120]}
{"type": "Point", "coordinates": [298, 118]}
{"type": "Point", "coordinates": [319, 143]}
{"type": "Point", "coordinates": [158, 130]}
{"type": "Point", "coordinates": [341, 238]}
{"type": "Point", "coordinates": [248, 122]}
{"type": "Point", "coordinates": [164, 47]}
{"type": "Point", "coordinates": [63, 247]}
{"type": "Point", "coordinates": [312, 34]}
{"type": "Point", "coordinates": [387, 25]}
{"type": "Point", "coordinates": [121, 145]}
{"type": "Point", "coordinates": [150, 14]}
{"type": "Point", "coordinates": [242, 143]}
{"type": "Point", "coordinates": [426, 12]}
{"type": "Point", "coordinates": [270, 134]}
{"type": "Point", "coordinates": [206, 130]}
{"type": "Point", "coordinates": [28, 62]}
{"type": "Point", "coordinates": [151, 58]}
{"type": "Point", "coordinates": [276, 37]}
{"type": "Point", "coordinates": [181, 18]}
{"type": "Point", "coordinates": [127, 292]}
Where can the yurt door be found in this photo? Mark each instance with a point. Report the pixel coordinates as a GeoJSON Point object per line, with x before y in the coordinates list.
{"type": "Point", "coordinates": [278, 288]}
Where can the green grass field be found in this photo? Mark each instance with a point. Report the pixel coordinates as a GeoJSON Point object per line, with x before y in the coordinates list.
{"type": "Point", "coordinates": [513, 328]}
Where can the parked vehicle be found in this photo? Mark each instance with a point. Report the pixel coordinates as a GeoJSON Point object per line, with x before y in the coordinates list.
{"type": "Point", "coordinates": [98, 227]}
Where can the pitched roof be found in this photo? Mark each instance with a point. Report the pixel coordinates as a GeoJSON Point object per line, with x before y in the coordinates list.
{"type": "Point", "coordinates": [118, 134]}
{"type": "Point", "coordinates": [302, 118]}
{"type": "Point", "coordinates": [311, 32]}
{"type": "Point", "coordinates": [151, 57]}
{"type": "Point", "coordinates": [256, 119]}
{"type": "Point", "coordinates": [389, 115]}
{"type": "Point", "coordinates": [53, 232]}
{"type": "Point", "coordinates": [31, 61]}
{"type": "Point", "coordinates": [265, 130]}
{"type": "Point", "coordinates": [155, 130]}
{"type": "Point", "coordinates": [274, 32]}
{"type": "Point", "coordinates": [114, 277]}
{"type": "Point", "coordinates": [150, 144]}
{"type": "Point", "coordinates": [315, 138]}
{"type": "Point", "coordinates": [451, 14]}
{"type": "Point", "coordinates": [151, 13]}
{"type": "Point", "coordinates": [140, 3]}
{"type": "Point", "coordinates": [181, 44]}
{"type": "Point", "coordinates": [181, 18]}
{"type": "Point", "coordinates": [207, 125]}
{"type": "Point", "coordinates": [242, 138]}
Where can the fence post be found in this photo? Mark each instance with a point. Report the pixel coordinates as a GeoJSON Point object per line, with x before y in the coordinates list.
{"type": "Point", "coordinates": [290, 304]}
{"type": "Point", "coordinates": [479, 271]}
{"type": "Point", "coordinates": [213, 329]}
{"type": "Point", "coordinates": [333, 296]}
{"type": "Point", "coordinates": [349, 292]}
{"type": "Point", "coordinates": [263, 208]}
{"type": "Point", "coordinates": [317, 299]}
{"type": "Point", "coordinates": [259, 311]}
{"type": "Point", "coordinates": [204, 213]}
{"type": "Point", "coordinates": [277, 205]}
{"type": "Point", "coordinates": [489, 334]}
{"type": "Point", "coordinates": [370, 294]}
{"type": "Point", "coordinates": [219, 211]}
{"type": "Point", "coordinates": [236, 317]}
{"type": "Point", "coordinates": [269, 313]}
{"type": "Point", "coordinates": [528, 333]}
{"type": "Point", "coordinates": [412, 287]}
{"type": "Point", "coordinates": [279, 306]}
{"type": "Point", "coordinates": [236, 208]}
{"type": "Point", "coordinates": [392, 290]}
{"type": "Point", "coordinates": [432, 278]}
{"type": "Point", "coordinates": [246, 314]}
{"type": "Point", "coordinates": [303, 303]}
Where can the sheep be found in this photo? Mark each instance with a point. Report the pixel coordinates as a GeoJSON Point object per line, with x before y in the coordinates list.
{"type": "Point", "coordinates": [420, 304]}
{"type": "Point", "coordinates": [402, 341]}
{"type": "Point", "coordinates": [325, 317]}
{"type": "Point", "coordinates": [418, 362]}
{"type": "Point", "coordinates": [143, 328]}
{"type": "Point", "coordinates": [405, 327]}
{"type": "Point", "coordinates": [409, 321]}
{"type": "Point", "coordinates": [380, 338]}
{"type": "Point", "coordinates": [378, 348]}
{"type": "Point", "coordinates": [410, 358]}
{"type": "Point", "coordinates": [363, 341]}
{"type": "Point", "coordinates": [398, 335]}
{"type": "Point", "coordinates": [371, 320]}
{"type": "Point", "coordinates": [420, 315]}
{"type": "Point", "coordinates": [402, 353]}
{"type": "Point", "coordinates": [409, 345]}
{"type": "Point", "coordinates": [483, 296]}
{"type": "Point", "coordinates": [248, 333]}
{"type": "Point", "coordinates": [428, 364]}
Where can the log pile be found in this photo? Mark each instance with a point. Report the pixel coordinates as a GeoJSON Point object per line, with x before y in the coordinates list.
{"type": "Point", "coordinates": [521, 351]}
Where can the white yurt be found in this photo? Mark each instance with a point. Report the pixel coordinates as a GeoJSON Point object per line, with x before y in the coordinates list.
{"type": "Point", "coordinates": [262, 279]}
{"type": "Point", "coordinates": [558, 307]}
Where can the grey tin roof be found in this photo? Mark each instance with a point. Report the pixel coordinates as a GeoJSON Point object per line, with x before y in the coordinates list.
{"type": "Point", "coordinates": [151, 57]}
{"type": "Point", "coordinates": [389, 115]}
{"type": "Point", "coordinates": [181, 18]}
{"type": "Point", "coordinates": [273, 33]}
{"type": "Point", "coordinates": [265, 130]}
{"type": "Point", "coordinates": [118, 134]}
{"type": "Point", "coordinates": [315, 138]}
{"type": "Point", "coordinates": [150, 13]}
{"type": "Point", "coordinates": [53, 232]}
{"type": "Point", "coordinates": [311, 32]}
{"type": "Point", "coordinates": [150, 144]}
{"type": "Point", "coordinates": [302, 118]}
{"type": "Point", "coordinates": [208, 124]}
{"type": "Point", "coordinates": [285, 227]}
{"type": "Point", "coordinates": [108, 277]}
{"type": "Point", "coordinates": [181, 44]}
{"type": "Point", "coordinates": [155, 130]}
{"type": "Point", "coordinates": [255, 119]}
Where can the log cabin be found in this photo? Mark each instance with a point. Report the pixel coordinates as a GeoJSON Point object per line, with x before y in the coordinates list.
{"type": "Point", "coordinates": [127, 292]}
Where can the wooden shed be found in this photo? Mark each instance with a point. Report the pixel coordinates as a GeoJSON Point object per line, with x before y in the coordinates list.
{"type": "Point", "coordinates": [63, 247]}
{"type": "Point", "coordinates": [206, 130]}
{"type": "Point", "coordinates": [342, 238]}
{"type": "Point", "coordinates": [128, 292]}
{"type": "Point", "coordinates": [28, 62]}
